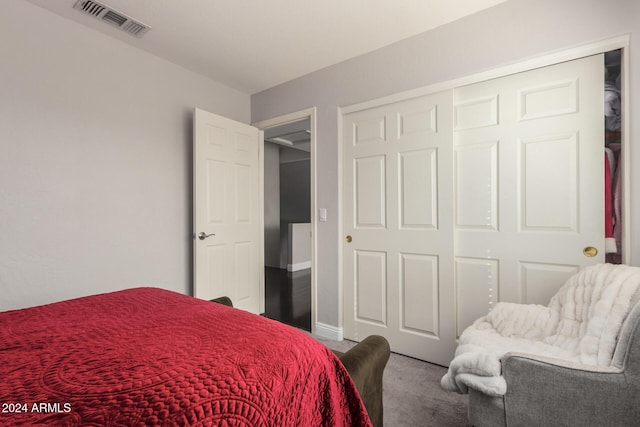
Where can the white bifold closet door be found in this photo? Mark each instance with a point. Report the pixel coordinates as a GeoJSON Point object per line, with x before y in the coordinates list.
{"type": "Point", "coordinates": [457, 200]}
{"type": "Point", "coordinates": [529, 184]}
{"type": "Point", "coordinates": [398, 250]}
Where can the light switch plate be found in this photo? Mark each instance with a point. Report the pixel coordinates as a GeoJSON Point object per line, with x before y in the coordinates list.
{"type": "Point", "coordinates": [323, 214]}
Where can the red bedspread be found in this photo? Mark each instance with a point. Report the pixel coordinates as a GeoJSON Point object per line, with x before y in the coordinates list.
{"type": "Point", "coordinates": [148, 356]}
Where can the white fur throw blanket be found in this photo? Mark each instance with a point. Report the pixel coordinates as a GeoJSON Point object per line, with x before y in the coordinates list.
{"type": "Point", "coordinates": [580, 324]}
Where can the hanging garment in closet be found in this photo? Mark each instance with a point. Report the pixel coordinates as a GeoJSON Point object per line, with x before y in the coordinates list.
{"type": "Point", "coordinates": [610, 241]}
{"type": "Point", "coordinates": [612, 105]}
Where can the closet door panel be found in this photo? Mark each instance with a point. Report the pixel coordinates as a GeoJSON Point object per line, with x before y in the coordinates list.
{"type": "Point", "coordinates": [476, 187]}
{"type": "Point", "coordinates": [418, 189]}
{"type": "Point", "coordinates": [370, 192]}
{"type": "Point", "coordinates": [419, 284]}
{"type": "Point", "coordinates": [549, 178]}
{"type": "Point", "coordinates": [551, 99]}
{"type": "Point", "coordinates": [369, 130]}
{"type": "Point", "coordinates": [371, 286]}
{"type": "Point", "coordinates": [539, 281]}
{"type": "Point", "coordinates": [417, 122]}
{"type": "Point", "coordinates": [475, 112]}
{"type": "Point", "coordinates": [398, 228]}
{"type": "Point", "coordinates": [549, 184]}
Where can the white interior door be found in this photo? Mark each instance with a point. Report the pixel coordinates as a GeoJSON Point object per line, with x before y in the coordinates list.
{"type": "Point", "coordinates": [227, 227]}
{"type": "Point", "coordinates": [529, 192]}
{"type": "Point", "coordinates": [398, 250]}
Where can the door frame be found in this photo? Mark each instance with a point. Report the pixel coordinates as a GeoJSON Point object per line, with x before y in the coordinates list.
{"type": "Point", "coordinates": [309, 113]}
{"type": "Point", "coordinates": [569, 54]}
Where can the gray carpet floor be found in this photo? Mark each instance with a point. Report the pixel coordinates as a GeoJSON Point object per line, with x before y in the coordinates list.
{"type": "Point", "coordinates": [412, 395]}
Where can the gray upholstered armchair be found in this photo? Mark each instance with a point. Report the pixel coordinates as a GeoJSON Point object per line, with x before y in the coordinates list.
{"type": "Point", "coordinates": [573, 363]}
{"type": "Point", "coordinates": [550, 392]}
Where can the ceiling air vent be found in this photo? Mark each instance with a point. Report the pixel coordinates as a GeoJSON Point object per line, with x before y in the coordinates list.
{"type": "Point", "coordinates": [112, 17]}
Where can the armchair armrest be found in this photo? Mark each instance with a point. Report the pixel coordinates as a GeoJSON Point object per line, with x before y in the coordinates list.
{"type": "Point", "coordinates": [365, 363]}
{"type": "Point", "coordinates": [223, 301]}
{"type": "Point", "coordinates": [561, 363]}
{"type": "Point", "coordinates": [543, 391]}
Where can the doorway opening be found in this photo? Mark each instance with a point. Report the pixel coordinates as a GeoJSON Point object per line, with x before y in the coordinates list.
{"type": "Point", "coordinates": [288, 220]}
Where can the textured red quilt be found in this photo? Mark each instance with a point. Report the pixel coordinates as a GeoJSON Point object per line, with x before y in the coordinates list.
{"type": "Point", "coordinates": [151, 357]}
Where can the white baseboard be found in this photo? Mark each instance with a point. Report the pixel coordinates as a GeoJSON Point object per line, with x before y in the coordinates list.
{"type": "Point", "coordinates": [329, 332]}
{"type": "Point", "coordinates": [299, 266]}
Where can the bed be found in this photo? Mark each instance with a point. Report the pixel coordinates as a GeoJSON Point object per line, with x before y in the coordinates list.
{"type": "Point", "coordinates": [148, 356]}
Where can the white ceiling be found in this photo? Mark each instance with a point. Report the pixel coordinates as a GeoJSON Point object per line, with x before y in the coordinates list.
{"type": "Point", "coordinates": [252, 45]}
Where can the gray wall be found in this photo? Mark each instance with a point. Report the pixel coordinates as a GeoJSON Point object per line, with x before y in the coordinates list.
{"type": "Point", "coordinates": [295, 196]}
{"type": "Point", "coordinates": [272, 205]}
{"type": "Point", "coordinates": [95, 160]}
{"type": "Point", "coordinates": [510, 32]}
{"type": "Point", "coordinates": [295, 189]}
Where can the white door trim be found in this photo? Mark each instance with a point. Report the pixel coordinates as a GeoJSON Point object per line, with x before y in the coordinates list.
{"type": "Point", "coordinates": [626, 157]}
{"type": "Point", "coordinates": [309, 113]}
{"type": "Point", "coordinates": [576, 52]}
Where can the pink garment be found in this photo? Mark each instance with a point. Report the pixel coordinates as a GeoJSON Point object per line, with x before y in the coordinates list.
{"type": "Point", "coordinates": [610, 242]}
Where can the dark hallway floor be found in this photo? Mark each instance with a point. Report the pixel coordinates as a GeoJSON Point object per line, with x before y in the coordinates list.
{"type": "Point", "coordinates": [288, 297]}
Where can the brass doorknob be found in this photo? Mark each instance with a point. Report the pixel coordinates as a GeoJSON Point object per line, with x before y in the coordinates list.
{"type": "Point", "coordinates": [348, 239]}
{"type": "Point", "coordinates": [590, 251]}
